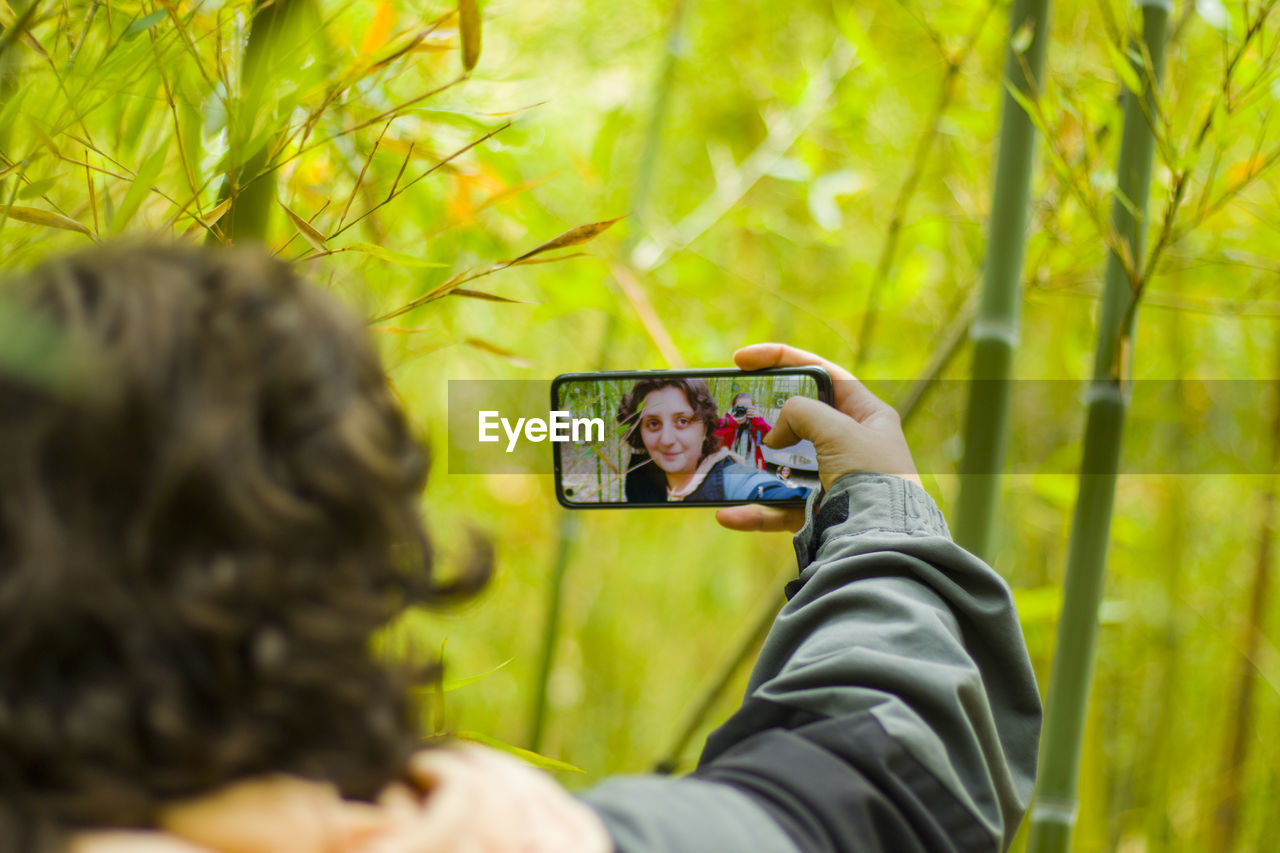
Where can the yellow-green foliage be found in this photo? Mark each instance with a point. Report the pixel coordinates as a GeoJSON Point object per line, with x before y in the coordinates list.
{"type": "Point", "coordinates": [397, 171]}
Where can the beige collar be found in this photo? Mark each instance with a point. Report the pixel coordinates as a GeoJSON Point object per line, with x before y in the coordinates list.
{"type": "Point", "coordinates": [699, 475]}
{"type": "Point", "coordinates": [274, 813]}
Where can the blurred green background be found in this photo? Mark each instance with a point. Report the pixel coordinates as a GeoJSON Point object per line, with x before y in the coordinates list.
{"type": "Point", "coordinates": [820, 174]}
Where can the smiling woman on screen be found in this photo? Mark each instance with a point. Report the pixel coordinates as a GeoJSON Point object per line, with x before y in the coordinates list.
{"type": "Point", "coordinates": [671, 425]}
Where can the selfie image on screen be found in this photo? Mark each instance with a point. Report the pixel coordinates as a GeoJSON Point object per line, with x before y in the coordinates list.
{"type": "Point", "coordinates": [685, 438]}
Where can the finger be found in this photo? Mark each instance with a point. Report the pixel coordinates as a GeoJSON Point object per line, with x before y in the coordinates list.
{"type": "Point", "coordinates": [803, 418]}
{"type": "Point", "coordinates": [851, 396]}
{"type": "Point", "coordinates": [755, 517]}
{"type": "Point", "coordinates": [781, 435]}
{"type": "Point", "coordinates": [760, 356]}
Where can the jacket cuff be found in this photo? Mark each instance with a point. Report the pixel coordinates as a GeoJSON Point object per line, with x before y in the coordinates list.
{"type": "Point", "coordinates": [864, 502]}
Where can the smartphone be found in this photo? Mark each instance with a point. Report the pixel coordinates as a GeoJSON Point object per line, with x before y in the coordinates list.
{"type": "Point", "coordinates": [661, 438]}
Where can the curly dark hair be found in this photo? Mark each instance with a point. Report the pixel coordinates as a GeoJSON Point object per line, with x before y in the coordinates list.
{"type": "Point", "coordinates": [208, 503]}
{"type": "Point", "coordinates": [696, 391]}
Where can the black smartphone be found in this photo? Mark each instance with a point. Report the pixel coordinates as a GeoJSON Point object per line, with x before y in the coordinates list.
{"type": "Point", "coordinates": [650, 438]}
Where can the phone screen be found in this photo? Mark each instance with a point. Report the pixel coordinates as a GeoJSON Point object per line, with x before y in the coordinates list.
{"type": "Point", "coordinates": [680, 438]}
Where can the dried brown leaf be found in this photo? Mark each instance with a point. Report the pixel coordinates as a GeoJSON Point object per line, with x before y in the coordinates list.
{"type": "Point", "coordinates": [48, 218]}
{"type": "Point", "coordinates": [211, 218]}
{"type": "Point", "coordinates": [488, 297]}
{"type": "Point", "coordinates": [430, 296]}
{"type": "Point", "coordinates": [494, 349]}
{"type": "Point", "coordinates": [469, 29]}
{"type": "Point", "coordinates": [308, 232]}
{"type": "Point", "coordinates": [530, 261]}
{"type": "Point", "coordinates": [572, 237]}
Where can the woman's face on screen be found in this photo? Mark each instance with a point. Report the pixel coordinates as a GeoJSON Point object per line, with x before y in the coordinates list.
{"type": "Point", "coordinates": [672, 431]}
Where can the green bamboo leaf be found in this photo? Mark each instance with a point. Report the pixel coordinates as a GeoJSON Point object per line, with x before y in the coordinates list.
{"type": "Point", "coordinates": [1124, 68]}
{"type": "Point", "coordinates": [19, 29]}
{"type": "Point", "coordinates": [13, 104]}
{"type": "Point", "coordinates": [139, 189]}
{"type": "Point", "coordinates": [139, 115]}
{"type": "Point", "coordinates": [1028, 106]}
{"type": "Point", "coordinates": [469, 31]}
{"type": "Point", "coordinates": [214, 110]}
{"type": "Point", "coordinates": [189, 134]}
{"type": "Point", "coordinates": [46, 141]}
{"type": "Point", "coordinates": [458, 683]}
{"type": "Point", "coordinates": [389, 255]}
{"type": "Point", "coordinates": [35, 189]}
{"type": "Point", "coordinates": [141, 25]}
{"type": "Point", "coordinates": [530, 756]}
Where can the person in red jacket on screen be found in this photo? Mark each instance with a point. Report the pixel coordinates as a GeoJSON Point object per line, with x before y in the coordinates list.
{"type": "Point", "coordinates": [742, 430]}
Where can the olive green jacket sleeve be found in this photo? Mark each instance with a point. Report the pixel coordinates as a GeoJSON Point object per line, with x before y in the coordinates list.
{"type": "Point", "coordinates": [893, 705]}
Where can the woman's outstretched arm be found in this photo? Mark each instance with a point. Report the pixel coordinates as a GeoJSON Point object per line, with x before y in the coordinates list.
{"type": "Point", "coordinates": [893, 706]}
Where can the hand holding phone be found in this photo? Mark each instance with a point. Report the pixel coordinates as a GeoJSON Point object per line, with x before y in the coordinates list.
{"type": "Point", "coordinates": [677, 438]}
{"type": "Point", "coordinates": [861, 433]}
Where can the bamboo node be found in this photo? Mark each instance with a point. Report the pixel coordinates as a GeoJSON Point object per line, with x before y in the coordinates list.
{"type": "Point", "coordinates": [1059, 810]}
{"type": "Point", "coordinates": [1105, 391]}
{"type": "Point", "coordinates": [994, 330]}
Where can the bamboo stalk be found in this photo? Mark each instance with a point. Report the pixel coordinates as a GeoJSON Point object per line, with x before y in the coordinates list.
{"type": "Point", "coordinates": [642, 195]}
{"type": "Point", "coordinates": [995, 330]}
{"type": "Point", "coordinates": [252, 185]}
{"type": "Point", "coordinates": [568, 528]}
{"type": "Point", "coordinates": [906, 191]}
{"type": "Point", "coordinates": [949, 344]}
{"type": "Point", "coordinates": [1055, 809]}
{"type": "Point", "coordinates": [746, 647]}
{"type": "Point", "coordinates": [784, 129]}
{"type": "Point", "coordinates": [1227, 815]}
{"type": "Point", "coordinates": [1153, 773]}
{"type": "Point", "coordinates": [566, 535]}
{"type": "Point", "coordinates": [10, 65]}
